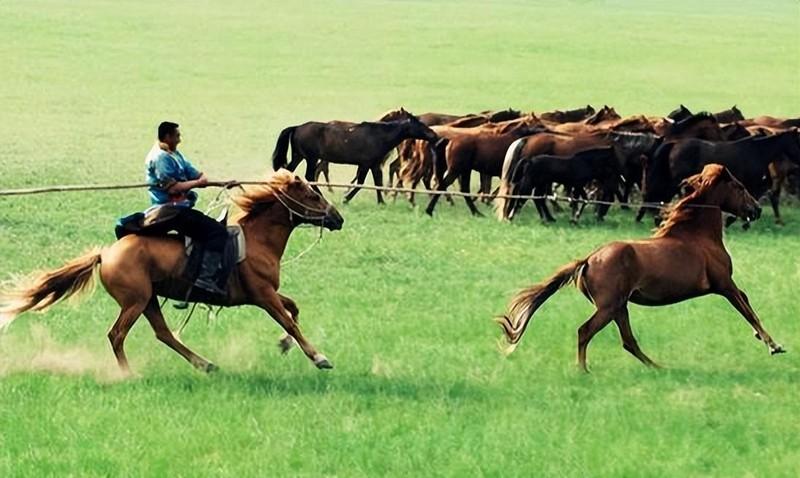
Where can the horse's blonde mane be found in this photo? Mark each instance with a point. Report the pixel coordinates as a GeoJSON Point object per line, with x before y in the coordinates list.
{"type": "Point", "coordinates": [682, 211]}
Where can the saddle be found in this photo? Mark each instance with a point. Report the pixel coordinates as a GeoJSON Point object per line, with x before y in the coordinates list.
{"type": "Point", "coordinates": [155, 222]}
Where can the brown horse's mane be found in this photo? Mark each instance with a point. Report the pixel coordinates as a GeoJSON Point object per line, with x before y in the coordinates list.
{"type": "Point", "coordinates": [633, 120]}
{"type": "Point", "coordinates": [255, 196]}
{"type": "Point", "coordinates": [682, 211]}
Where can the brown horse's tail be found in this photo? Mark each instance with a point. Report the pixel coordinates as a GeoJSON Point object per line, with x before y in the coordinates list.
{"type": "Point", "coordinates": [281, 148]}
{"type": "Point", "coordinates": [527, 301]}
{"type": "Point", "coordinates": [50, 287]}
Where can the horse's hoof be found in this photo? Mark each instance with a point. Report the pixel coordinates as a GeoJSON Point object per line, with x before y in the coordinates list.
{"type": "Point", "coordinates": [756, 336]}
{"type": "Point", "coordinates": [210, 368]}
{"type": "Point", "coordinates": [322, 363]}
{"type": "Point", "coordinates": [776, 349]}
{"type": "Point", "coordinates": [429, 212]}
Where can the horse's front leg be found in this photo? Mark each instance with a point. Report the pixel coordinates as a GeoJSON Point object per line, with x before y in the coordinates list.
{"type": "Point", "coordinates": [286, 341]}
{"type": "Point", "coordinates": [271, 302]}
{"type": "Point", "coordinates": [740, 302]}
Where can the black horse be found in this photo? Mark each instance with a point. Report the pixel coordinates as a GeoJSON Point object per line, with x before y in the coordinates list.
{"type": "Point", "coordinates": [747, 159]}
{"type": "Point", "coordinates": [679, 114]}
{"type": "Point", "coordinates": [537, 174]}
{"type": "Point", "coordinates": [633, 149]}
{"type": "Point", "coordinates": [362, 144]}
{"type": "Point", "coordinates": [729, 116]}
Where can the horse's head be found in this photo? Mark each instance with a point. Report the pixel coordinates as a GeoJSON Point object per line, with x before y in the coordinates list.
{"type": "Point", "coordinates": [419, 130]}
{"type": "Point", "coordinates": [304, 202]}
{"type": "Point", "coordinates": [718, 187]}
{"type": "Point", "coordinates": [606, 113]}
{"type": "Point", "coordinates": [680, 113]}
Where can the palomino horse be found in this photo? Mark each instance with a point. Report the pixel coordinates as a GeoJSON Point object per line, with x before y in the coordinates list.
{"type": "Point", "coordinates": [685, 258]}
{"type": "Point", "coordinates": [137, 269]}
{"type": "Point", "coordinates": [365, 145]}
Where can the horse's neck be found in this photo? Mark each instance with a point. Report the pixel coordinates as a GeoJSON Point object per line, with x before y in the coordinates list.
{"type": "Point", "coordinates": [395, 135]}
{"type": "Point", "coordinates": [698, 221]}
{"type": "Point", "coordinates": [268, 232]}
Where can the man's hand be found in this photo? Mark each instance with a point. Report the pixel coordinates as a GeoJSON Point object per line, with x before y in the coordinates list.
{"type": "Point", "coordinates": [202, 181]}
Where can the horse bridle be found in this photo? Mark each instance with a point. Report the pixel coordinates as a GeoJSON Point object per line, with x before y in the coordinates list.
{"type": "Point", "coordinates": [308, 213]}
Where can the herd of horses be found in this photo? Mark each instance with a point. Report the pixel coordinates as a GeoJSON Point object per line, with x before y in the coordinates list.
{"type": "Point", "coordinates": [591, 154]}
{"type": "Point", "coordinates": [720, 163]}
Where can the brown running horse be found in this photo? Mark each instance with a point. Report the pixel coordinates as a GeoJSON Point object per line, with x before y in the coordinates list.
{"type": "Point", "coordinates": [685, 258]}
{"type": "Point", "coordinates": [137, 269]}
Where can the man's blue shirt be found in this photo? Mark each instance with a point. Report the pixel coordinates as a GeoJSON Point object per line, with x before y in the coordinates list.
{"type": "Point", "coordinates": [162, 170]}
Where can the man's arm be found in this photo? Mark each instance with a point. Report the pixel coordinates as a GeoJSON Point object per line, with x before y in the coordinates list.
{"type": "Point", "coordinates": [183, 186]}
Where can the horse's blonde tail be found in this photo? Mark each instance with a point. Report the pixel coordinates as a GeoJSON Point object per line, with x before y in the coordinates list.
{"type": "Point", "coordinates": [523, 305]}
{"type": "Point", "coordinates": [512, 155]}
{"type": "Point", "coordinates": [50, 287]}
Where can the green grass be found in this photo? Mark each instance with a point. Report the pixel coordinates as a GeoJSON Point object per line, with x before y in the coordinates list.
{"type": "Point", "coordinates": [399, 302]}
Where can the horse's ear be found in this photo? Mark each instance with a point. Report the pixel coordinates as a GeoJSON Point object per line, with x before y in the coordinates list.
{"type": "Point", "coordinates": [691, 184]}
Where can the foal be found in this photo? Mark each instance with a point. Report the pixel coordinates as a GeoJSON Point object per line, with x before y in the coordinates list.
{"type": "Point", "coordinates": [684, 259]}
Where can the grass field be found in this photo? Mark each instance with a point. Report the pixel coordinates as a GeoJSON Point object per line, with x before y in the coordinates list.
{"type": "Point", "coordinates": [399, 302]}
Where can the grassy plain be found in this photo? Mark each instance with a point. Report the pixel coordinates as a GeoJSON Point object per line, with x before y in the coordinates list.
{"type": "Point", "coordinates": [400, 303]}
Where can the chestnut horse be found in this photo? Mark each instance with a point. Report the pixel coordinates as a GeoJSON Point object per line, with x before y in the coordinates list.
{"type": "Point", "coordinates": [482, 148]}
{"type": "Point", "coordinates": [136, 270]}
{"type": "Point", "coordinates": [685, 258]}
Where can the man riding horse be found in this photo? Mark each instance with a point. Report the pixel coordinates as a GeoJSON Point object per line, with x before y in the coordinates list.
{"type": "Point", "coordinates": [171, 178]}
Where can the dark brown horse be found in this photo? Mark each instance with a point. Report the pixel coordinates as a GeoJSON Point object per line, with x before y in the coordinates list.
{"type": "Point", "coordinates": [748, 159]}
{"type": "Point", "coordinates": [629, 147]}
{"type": "Point", "coordinates": [365, 145]}
{"type": "Point", "coordinates": [536, 176]}
{"type": "Point", "coordinates": [136, 270]}
{"type": "Point", "coordinates": [679, 114]}
{"type": "Point", "coordinates": [685, 258]}
{"type": "Point", "coordinates": [701, 125]}
{"type": "Point", "coordinates": [729, 116]}
{"type": "Point", "coordinates": [481, 149]}
{"type": "Point", "coordinates": [569, 116]}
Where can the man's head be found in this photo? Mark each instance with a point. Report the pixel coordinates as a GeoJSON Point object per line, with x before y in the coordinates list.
{"type": "Point", "coordinates": [169, 134]}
